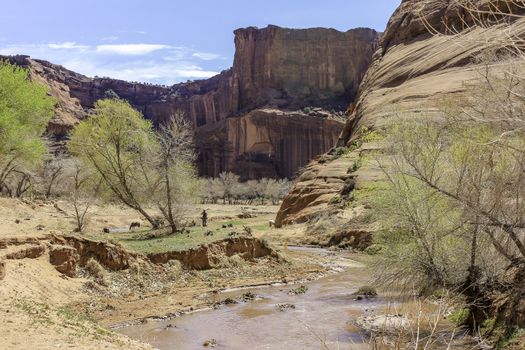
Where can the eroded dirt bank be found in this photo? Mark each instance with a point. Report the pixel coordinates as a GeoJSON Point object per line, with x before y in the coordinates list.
{"type": "Point", "coordinates": [65, 290]}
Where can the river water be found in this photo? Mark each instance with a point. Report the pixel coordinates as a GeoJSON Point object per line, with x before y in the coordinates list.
{"type": "Point", "coordinates": [322, 318]}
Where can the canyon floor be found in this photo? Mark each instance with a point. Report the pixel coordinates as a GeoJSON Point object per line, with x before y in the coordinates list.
{"type": "Point", "coordinates": [47, 309]}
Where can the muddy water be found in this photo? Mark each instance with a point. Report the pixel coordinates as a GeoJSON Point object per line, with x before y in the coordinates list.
{"type": "Point", "coordinates": [320, 319]}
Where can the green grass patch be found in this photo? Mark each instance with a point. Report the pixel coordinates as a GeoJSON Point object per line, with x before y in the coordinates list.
{"type": "Point", "coordinates": [137, 241]}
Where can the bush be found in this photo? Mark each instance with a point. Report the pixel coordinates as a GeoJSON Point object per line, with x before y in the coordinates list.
{"type": "Point", "coordinates": [95, 270]}
{"type": "Point", "coordinates": [459, 317]}
{"type": "Point", "coordinates": [366, 291]}
{"type": "Point", "coordinates": [374, 249]}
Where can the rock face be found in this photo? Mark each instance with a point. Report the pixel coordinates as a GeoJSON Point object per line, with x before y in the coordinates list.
{"type": "Point", "coordinates": [264, 143]}
{"type": "Point", "coordinates": [274, 68]}
{"type": "Point", "coordinates": [410, 71]}
{"type": "Point", "coordinates": [295, 68]}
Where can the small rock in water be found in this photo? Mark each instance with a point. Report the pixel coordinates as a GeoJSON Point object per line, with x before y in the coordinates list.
{"type": "Point", "coordinates": [299, 290]}
{"type": "Point", "coordinates": [210, 343]}
{"type": "Point", "coordinates": [248, 296]}
{"type": "Point", "coordinates": [229, 301]}
{"type": "Point", "coordinates": [284, 307]}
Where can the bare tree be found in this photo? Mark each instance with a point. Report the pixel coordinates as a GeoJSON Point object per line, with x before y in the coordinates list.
{"type": "Point", "coordinates": [175, 184]}
{"type": "Point", "coordinates": [84, 190]}
{"type": "Point", "coordinates": [51, 174]}
{"type": "Point", "coordinates": [229, 180]}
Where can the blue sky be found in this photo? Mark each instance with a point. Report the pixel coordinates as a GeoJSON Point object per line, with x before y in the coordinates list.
{"type": "Point", "coordinates": [162, 41]}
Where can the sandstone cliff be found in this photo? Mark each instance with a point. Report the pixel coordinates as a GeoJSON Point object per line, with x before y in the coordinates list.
{"type": "Point", "coordinates": [412, 69]}
{"type": "Point", "coordinates": [299, 67]}
{"type": "Point", "coordinates": [274, 68]}
{"type": "Point", "coordinates": [264, 143]}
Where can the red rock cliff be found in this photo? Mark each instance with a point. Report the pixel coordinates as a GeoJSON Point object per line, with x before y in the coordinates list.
{"type": "Point", "coordinates": [411, 69]}
{"type": "Point", "coordinates": [277, 68]}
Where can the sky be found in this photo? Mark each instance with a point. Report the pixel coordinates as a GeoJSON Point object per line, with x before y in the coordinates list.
{"type": "Point", "coordinates": [163, 41]}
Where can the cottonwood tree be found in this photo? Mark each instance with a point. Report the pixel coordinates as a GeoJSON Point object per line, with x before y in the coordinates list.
{"type": "Point", "coordinates": [228, 180]}
{"type": "Point", "coordinates": [25, 110]}
{"type": "Point", "coordinates": [114, 142]}
{"type": "Point", "coordinates": [228, 187]}
{"type": "Point", "coordinates": [453, 207]}
{"type": "Point", "coordinates": [459, 179]}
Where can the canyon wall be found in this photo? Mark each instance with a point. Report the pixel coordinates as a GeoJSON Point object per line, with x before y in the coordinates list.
{"type": "Point", "coordinates": [294, 68]}
{"type": "Point", "coordinates": [412, 70]}
{"type": "Point", "coordinates": [249, 119]}
{"type": "Point", "coordinates": [265, 143]}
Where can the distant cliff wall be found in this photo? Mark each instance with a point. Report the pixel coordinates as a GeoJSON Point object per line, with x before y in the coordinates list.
{"type": "Point", "coordinates": [276, 73]}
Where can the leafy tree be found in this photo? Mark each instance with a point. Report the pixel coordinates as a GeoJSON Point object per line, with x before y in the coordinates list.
{"type": "Point", "coordinates": [115, 142]}
{"type": "Point", "coordinates": [25, 110]}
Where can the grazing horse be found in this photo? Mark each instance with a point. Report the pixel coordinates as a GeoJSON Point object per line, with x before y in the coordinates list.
{"type": "Point", "coordinates": [134, 224]}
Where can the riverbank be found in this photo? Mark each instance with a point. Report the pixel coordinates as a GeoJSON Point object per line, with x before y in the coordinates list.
{"type": "Point", "coordinates": [48, 302]}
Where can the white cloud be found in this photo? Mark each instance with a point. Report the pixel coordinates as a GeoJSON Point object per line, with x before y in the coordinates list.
{"type": "Point", "coordinates": [162, 73]}
{"type": "Point", "coordinates": [110, 38]}
{"type": "Point", "coordinates": [131, 49]}
{"type": "Point", "coordinates": [141, 32]}
{"type": "Point", "coordinates": [207, 56]}
{"type": "Point", "coordinates": [68, 45]}
{"type": "Point", "coordinates": [164, 64]}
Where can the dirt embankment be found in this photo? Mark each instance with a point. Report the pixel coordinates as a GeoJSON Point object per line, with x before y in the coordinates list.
{"type": "Point", "coordinates": [61, 291]}
{"type": "Point", "coordinates": [67, 253]}
{"type": "Point", "coordinates": [208, 256]}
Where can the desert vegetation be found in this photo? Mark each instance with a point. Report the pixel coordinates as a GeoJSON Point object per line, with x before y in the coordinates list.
{"type": "Point", "coordinates": [114, 156]}
{"type": "Point", "coordinates": [24, 113]}
{"type": "Point", "coordinates": [451, 205]}
{"type": "Point", "coordinates": [228, 189]}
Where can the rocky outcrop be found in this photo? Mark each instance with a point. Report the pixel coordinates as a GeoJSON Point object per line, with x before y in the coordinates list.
{"type": "Point", "coordinates": [412, 69]}
{"type": "Point", "coordinates": [264, 143]}
{"type": "Point", "coordinates": [295, 68]}
{"type": "Point", "coordinates": [273, 68]}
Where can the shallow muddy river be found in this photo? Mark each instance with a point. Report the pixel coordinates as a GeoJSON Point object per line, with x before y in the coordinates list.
{"type": "Point", "coordinates": [321, 318]}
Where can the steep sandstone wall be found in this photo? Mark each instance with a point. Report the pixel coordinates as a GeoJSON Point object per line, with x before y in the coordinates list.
{"type": "Point", "coordinates": [264, 143]}
{"type": "Point", "coordinates": [294, 68]}
{"type": "Point", "coordinates": [277, 68]}
{"type": "Point", "coordinates": [412, 70]}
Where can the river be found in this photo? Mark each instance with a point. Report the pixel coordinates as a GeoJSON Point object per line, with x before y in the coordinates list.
{"type": "Point", "coordinates": [322, 317]}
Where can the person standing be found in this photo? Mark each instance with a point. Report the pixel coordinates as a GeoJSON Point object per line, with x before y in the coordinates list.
{"type": "Point", "coordinates": [204, 217]}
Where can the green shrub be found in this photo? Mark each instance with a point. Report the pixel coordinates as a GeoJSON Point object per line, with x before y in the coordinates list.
{"type": "Point", "coordinates": [460, 316]}
{"type": "Point", "coordinates": [374, 249]}
{"type": "Point", "coordinates": [366, 291]}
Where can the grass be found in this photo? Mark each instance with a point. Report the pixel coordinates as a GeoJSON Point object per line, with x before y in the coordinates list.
{"type": "Point", "coordinates": [197, 235]}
